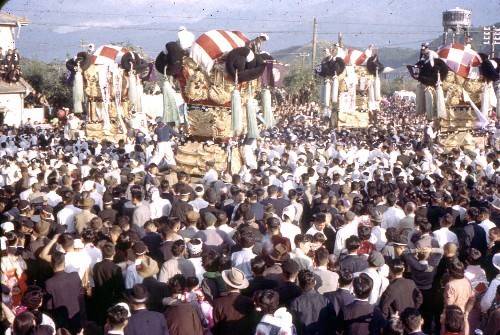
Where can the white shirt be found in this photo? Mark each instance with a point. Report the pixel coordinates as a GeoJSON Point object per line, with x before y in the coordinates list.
{"type": "Point", "coordinates": [343, 234]}
{"type": "Point", "coordinates": [198, 204]}
{"type": "Point", "coordinates": [487, 225]}
{"type": "Point", "coordinates": [77, 261]}
{"type": "Point", "coordinates": [304, 261]}
{"type": "Point", "coordinates": [53, 199]}
{"type": "Point", "coordinates": [380, 283]}
{"type": "Point", "coordinates": [210, 177]}
{"type": "Point", "coordinates": [392, 216]}
{"type": "Point", "coordinates": [227, 229]}
{"type": "Point", "coordinates": [289, 230]}
{"type": "Point", "coordinates": [160, 207]}
{"type": "Point", "coordinates": [66, 216]}
{"type": "Point", "coordinates": [94, 253]}
{"type": "Point", "coordinates": [132, 277]}
{"type": "Point", "coordinates": [241, 260]}
{"type": "Point", "coordinates": [378, 238]}
{"type": "Point", "coordinates": [198, 268]}
{"type": "Point", "coordinates": [444, 235]}
{"type": "Point", "coordinates": [490, 294]}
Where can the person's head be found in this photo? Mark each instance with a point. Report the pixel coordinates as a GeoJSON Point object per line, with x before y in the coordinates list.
{"type": "Point", "coordinates": [24, 324]}
{"type": "Point", "coordinates": [473, 256]}
{"type": "Point", "coordinates": [453, 319]}
{"type": "Point", "coordinates": [108, 250]}
{"type": "Point", "coordinates": [137, 196]}
{"type": "Point", "coordinates": [321, 257]}
{"type": "Point", "coordinates": [246, 238]}
{"type": "Point", "coordinates": [117, 316]}
{"type": "Point", "coordinates": [290, 270]}
{"type": "Point", "coordinates": [456, 269]}
{"type": "Point", "coordinates": [211, 261]}
{"type": "Point", "coordinates": [178, 248]}
{"type": "Point", "coordinates": [345, 278]}
{"type": "Point", "coordinates": [362, 286]}
{"type": "Point", "coordinates": [303, 242]}
{"type": "Point", "coordinates": [412, 320]}
{"type": "Point", "coordinates": [364, 233]}
{"type": "Point", "coordinates": [306, 280]}
{"type": "Point", "coordinates": [320, 221]}
{"type": "Point", "coordinates": [177, 284]}
{"type": "Point", "coordinates": [397, 267]}
{"type": "Point", "coordinates": [352, 244]}
{"type": "Point", "coordinates": [57, 261]}
{"type": "Point", "coordinates": [394, 326]}
{"type": "Point", "coordinates": [266, 301]}
{"type": "Point", "coordinates": [484, 214]}
{"type": "Point", "coordinates": [450, 250]}
{"type": "Point", "coordinates": [494, 234]}
{"type": "Point", "coordinates": [391, 199]}
{"type": "Point", "coordinates": [258, 265]}
{"type": "Point", "coordinates": [410, 208]}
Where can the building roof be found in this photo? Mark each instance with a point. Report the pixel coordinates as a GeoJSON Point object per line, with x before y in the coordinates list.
{"type": "Point", "coordinates": [7, 19]}
{"type": "Point", "coordinates": [13, 88]}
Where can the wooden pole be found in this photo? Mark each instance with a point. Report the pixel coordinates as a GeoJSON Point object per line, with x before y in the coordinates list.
{"type": "Point", "coordinates": [314, 40]}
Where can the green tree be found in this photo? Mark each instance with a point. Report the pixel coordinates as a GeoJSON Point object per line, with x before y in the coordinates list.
{"type": "Point", "coordinates": [49, 79]}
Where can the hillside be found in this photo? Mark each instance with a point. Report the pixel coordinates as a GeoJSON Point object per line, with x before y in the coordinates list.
{"type": "Point", "coordinates": [393, 57]}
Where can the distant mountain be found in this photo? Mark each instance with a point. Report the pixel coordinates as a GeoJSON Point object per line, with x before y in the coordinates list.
{"type": "Point", "coordinates": [394, 57]}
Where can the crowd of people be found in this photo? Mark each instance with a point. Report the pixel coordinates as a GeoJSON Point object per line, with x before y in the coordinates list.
{"type": "Point", "coordinates": [10, 69]}
{"type": "Point", "coordinates": [361, 231]}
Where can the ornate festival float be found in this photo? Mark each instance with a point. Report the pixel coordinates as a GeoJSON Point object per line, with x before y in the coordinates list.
{"type": "Point", "coordinates": [351, 85]}
{"type": "Point", "coordinates": [219, 76]}
{"type": "Point", "coordinates": [456, 84]}
{"type": "Point", "coordinates": [107, 84]}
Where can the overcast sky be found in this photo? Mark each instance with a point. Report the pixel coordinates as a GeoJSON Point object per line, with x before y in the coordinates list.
{"type": "Point", "coordinates": [58, 26]}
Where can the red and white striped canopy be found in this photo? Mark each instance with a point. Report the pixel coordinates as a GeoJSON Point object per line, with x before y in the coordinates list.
{"type": "Point", "coordinates": [355, 57]}
{"type": "Point", "coordinates": [108, 54]}
{"type": "Point", "coordinates": [461, 59]}
{"type": "Point", "coordinates": [215, 43]}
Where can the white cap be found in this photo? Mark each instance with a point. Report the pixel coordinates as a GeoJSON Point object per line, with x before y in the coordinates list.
{"type": "Point", "coordinates": [7, 226]}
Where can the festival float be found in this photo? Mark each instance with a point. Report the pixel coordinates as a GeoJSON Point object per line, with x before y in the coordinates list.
{"type": "Point", "coordinates": [218, 75]}
{"type": "Point", "coordinates": [107, 83]}
{"type": "Point", "coordinates": [351, 85]}
{"type": "Point", "coordinates": [456, 91]}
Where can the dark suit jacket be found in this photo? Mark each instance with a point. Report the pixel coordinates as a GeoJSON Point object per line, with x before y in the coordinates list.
{"type": "Point", "coordinates": [399, 295]}
{"type": "Point", "coordinates": [339, 298]}
{"type": "Point", "coordinates": [361, 318]}
{"type": "Point", "coordinates": [144, 322]}
{"type": "Point", "coordinates": [279, 204]}
{"type": "Point", "coordinates": [108, 284]}
{"type": "Point", "coordinates": [353, 263]}
{"type": "Point", "coordinates": [64, 299]}
{"type": "Point", "coordinates": [157, 291]}
{"type": "Point", "coordinates": [312, 313]}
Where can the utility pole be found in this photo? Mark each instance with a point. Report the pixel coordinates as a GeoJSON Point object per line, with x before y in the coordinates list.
{"type": "Point", "coordinates": [492, 41]}
{"type": "Point", "coordinates": [314, 40]}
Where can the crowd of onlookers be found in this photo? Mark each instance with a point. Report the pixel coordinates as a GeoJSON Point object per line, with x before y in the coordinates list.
{"type": "Point", "coordinates": [10, 69]}
{"type": "Point", "coordinates": [362, 231]}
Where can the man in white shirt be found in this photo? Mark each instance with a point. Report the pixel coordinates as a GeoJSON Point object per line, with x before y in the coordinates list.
{"type": "Point", "coordinates": [486, 224]}
{"type": "Point", "coordinates": [302, 248]}
{"type": "Point", "coordinates": [347, 230]}
{"type": "Point", "coordinates": [490, 294]}
{"type": "Point", "coordinates": [211, 175]}
{"type": "Point", "coordinates": [53, 199]}
{"type": "Point", "coordinates": [287, 228]}
{"type": "Point", "coordinates": [241, 259]}
{"type": "Point", "coordinates": [66, 216]}
{"type": "Point", "coordinates": [380, 283]}
{"type": "Point", "coordinates": [199, 203]}
{"type": "Point", "coordinates": [444, 234]}
{"type": "Point", "coordinates": [393, 214]}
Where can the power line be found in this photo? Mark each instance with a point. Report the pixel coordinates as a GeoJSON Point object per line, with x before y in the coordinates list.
{"type": "Point", "coordinates": [142, 28]}
{"type": "Point", "coordinates": [211, 17]}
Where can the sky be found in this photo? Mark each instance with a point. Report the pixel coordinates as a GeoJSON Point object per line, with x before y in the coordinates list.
{"type": "Point", "coordinates": [58, 28]}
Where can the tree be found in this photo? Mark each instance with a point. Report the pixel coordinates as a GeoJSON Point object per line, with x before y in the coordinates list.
{"type": "Point", "coordinates": [50, 79]}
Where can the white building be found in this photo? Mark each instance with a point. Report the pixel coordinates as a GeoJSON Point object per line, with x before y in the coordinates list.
{"type": "Point", "coordinates": [12, 94]}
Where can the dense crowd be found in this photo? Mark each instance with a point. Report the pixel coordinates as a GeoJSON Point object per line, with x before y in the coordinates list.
{"type": "Point", "coordinates": [362, 231]}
